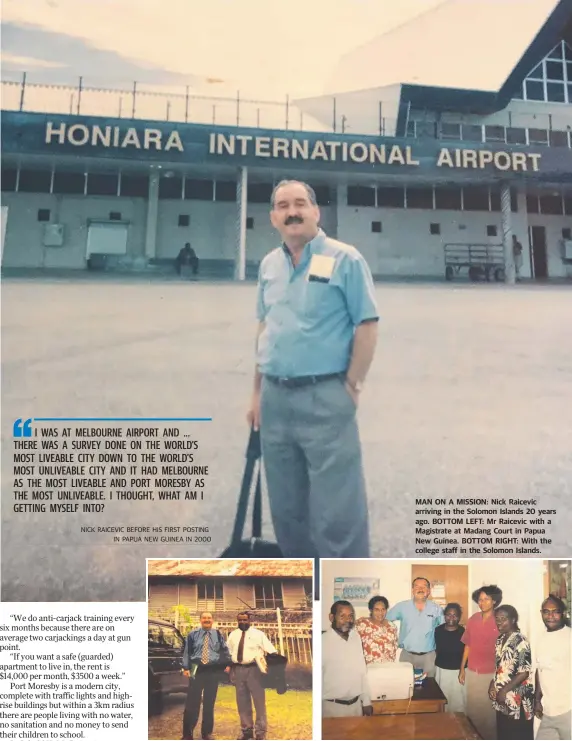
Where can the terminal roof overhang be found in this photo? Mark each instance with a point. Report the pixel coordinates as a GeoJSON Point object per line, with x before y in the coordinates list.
{"type": "Point", "coordinates": [467, 100]}
{"type": "Point", "coordinates": [483, 102]}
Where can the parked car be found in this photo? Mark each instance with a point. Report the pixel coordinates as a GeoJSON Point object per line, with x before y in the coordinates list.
{"type": "Point", "coordinates": [166, 646]}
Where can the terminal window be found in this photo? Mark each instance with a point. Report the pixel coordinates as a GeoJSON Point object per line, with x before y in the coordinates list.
{"type": "Point", "coordinates": [420, 198]}
{"type": "Point", "coordinates": [516, 136]}
{"type": "Point", "coordinates": [35, 181]}
{"type": "Point", "coordinates": [249, 222]}
{"type": "Point", "coordinates": [566, 233]}
{"type": "Point", "coordinates": [491, 230]}
{"type": "Point", "coordinates": [9, 177]}
{"type": "Point", "coordinates": [259, 192]}
{"type": "Point", "coordinates": [361, 195]}
{"type": "Point", "coordinates": [199, 190]}
{"type": "Point", "coordinates": [435, 228]}
{"type": "Point", "coordinates": [69, 183]}
{"type": "Point", "coordinates": [171, 188]}
{"type": "Point", "coordinates": [184, 220]}
{"type": "Point", "coordinates": [102, 184]}
{"type": "Point", "coordinates": [376, 227]}
{"type": "Point", "coordinates": [391, 197]}
{"type": "Point", "coordinates": [43, 214]}
{"type": "Point", "coordinates": [225, 190]}
{"type": "Point", "coordinates": [323, 195]}
{"type": "Point", "coordinates": [449, 198]}
{"type": "Point", "coordinates": [135, 186]}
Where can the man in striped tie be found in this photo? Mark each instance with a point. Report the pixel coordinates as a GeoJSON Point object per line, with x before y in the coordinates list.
{"type": "Point", "coordinates": [206, 654]}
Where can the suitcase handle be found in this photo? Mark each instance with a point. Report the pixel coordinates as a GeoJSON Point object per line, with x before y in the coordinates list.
{"type": "Point", "coordinates": [253, 456]}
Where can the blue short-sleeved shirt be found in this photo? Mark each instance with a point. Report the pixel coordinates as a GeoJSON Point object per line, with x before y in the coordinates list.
{"type": "Point", "coordinates": [311, 311]}
{"type": "Point", "coordinates": [417, 629]}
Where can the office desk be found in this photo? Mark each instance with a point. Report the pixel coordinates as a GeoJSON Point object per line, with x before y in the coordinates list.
{"type": "Point", "coordinates": [427, 698]}
{"type": "Point", "coordinates": [439, 726]}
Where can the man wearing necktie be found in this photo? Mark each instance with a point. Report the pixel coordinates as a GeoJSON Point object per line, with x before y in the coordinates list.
{"type": "Point", "coordinates": [206, 652]}
{"type": "Point", "coordinates": [248, 648]}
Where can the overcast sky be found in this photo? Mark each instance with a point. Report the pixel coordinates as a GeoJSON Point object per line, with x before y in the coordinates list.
{"type": "Point", "coordinates": [261, 47]}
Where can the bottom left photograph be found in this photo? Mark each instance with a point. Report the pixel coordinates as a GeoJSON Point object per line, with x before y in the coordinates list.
{"type": "Point", "coordinates": [230, 648]}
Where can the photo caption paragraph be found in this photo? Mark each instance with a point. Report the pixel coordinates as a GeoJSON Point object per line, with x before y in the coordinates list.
{"type": "Point", "coordinates": [72, 671]}
{"type": "Point", "coordinates": [86, 469]}
{"type": "Point", "coordinates": [481, 527]}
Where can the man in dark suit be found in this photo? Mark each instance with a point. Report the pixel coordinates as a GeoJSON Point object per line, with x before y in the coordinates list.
{"type": "Point", "coordinates": [206, 655]}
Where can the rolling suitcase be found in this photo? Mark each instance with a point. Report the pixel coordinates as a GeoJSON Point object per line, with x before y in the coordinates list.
{"type": "Point", "coordinates": [253, 547]}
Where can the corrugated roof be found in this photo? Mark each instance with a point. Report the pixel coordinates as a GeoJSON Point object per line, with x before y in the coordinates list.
{"type": "Point", "coordinates": [469, 44]}
{"type": "Point", "coordinates": [230, 567]}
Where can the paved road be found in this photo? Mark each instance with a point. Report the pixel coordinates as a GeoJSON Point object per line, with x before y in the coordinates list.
{"type": "Point", "coordinates": [469, 396]}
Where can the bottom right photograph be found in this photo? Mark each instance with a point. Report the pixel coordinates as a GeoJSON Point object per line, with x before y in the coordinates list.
{"type": "Point", "coordinates": [449, 649]}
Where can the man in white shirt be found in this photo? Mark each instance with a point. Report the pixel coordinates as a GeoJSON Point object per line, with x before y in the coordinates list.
{"type": "Point", "coordinates": [345, 690]}
{"type": "Point", "coordinates": [552, 695]}
{"type": "Point", "coordinates": [248, 648]}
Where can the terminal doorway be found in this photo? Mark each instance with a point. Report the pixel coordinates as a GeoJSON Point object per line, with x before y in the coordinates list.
{"type": "Point", "coordinates": [538, 252]}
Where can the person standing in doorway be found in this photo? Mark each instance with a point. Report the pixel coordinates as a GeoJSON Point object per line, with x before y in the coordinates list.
{"type": "Point", "coordinates": [316, 338]}
{"type": "Point", "coordinates": [517, 255]}
{"type": "Point", "coordinates": [552, 685]}
{"type": "Point", "coordinates": [419, 617]}
{"type": "Point", "coordinates": [248, 648]}
{"type": "Point", "coordinates": [204, 659]}
{"type": "Point", "coordinates": [478, 662]}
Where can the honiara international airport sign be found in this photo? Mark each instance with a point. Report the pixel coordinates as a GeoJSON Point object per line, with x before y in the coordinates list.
{"type": "Point", "coordinates": [199, 144]}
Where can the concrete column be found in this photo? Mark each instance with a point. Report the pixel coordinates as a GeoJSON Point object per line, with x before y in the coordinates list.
{"type": "Point", "coordinates": [341, 204]}
{"type": "Point", "coordinates": [506, 228]}
{"type": "Point", "coordinates": [152, 216]}
{"type": "Point", "coordinates": [241, 205]}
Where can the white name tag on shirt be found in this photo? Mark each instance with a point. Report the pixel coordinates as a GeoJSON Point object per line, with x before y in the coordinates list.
{"type": "Point", "coordinates": [321, 268]}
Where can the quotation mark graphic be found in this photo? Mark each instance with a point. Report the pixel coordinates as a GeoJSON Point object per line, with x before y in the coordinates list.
{"type": "Point", "coordinates": [23, 429]}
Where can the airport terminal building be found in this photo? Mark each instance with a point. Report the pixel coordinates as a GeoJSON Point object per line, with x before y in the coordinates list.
{"type": "Point", "coordinates": [410, 173]}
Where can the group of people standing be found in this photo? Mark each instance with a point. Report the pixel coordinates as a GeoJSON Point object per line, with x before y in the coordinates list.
{"type": "Point", "coordinates": [484, 669]}
{"type": "Point", "coordinates": [207, 655]}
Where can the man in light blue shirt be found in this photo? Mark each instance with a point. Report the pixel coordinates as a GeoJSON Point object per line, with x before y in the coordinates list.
{"type": "Point", "coordinates": [316, 338]}
{"type": "Point", "coordinates": [419, 617]}
{"type": "Point", "coordinates": [205, 657]}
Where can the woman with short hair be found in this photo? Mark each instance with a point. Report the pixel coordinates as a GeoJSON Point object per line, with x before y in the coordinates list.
{"type": "Point", "coordinates": [448, 655]}
{"type": "Point", "coordinates": [511, 689]}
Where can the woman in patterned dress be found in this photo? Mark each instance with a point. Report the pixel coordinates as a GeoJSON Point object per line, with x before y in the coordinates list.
{"type": "Point", "coordinates": [511, 690]}
{"type": "Point", "coordinates": [378, 635]}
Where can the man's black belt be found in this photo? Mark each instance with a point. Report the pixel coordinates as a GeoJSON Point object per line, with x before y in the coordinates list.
{"type": "Point", "coordinates": [250, 663]}
{"type": "Point", "coordinates": [419, 653]}
{"type": "Point", "coordinates": [299, 381]}
{"type": "Point", "coordinates": [346, 702]}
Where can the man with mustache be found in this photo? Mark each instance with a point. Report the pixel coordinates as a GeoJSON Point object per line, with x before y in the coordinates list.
{"type": "Point", "coordinates": [345, 689]}
{"type": "Point", "coordinates": [206, 654]}
{"type": "Point", "coordinates": [316, 339]}
{"type": "Point", "coordinates": [419, 617]}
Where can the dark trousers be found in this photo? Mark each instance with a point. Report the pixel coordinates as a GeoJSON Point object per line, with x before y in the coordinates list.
{"type": "Point", "coordinates": [519, 730]}
{"type": "Point", "coordinates": [203, 687]}
{"type": "Point", "coordinates": [193, 262]}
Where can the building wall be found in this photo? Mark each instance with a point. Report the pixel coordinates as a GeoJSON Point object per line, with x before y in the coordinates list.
{"type": "Point", "coordinates": [405, 246]}
{"type": "Point", "coordinates": [24, 233]}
